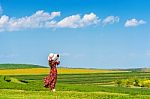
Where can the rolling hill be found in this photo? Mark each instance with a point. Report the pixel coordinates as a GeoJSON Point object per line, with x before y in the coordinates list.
{"type": "Point", "coordinates": [19, 66]}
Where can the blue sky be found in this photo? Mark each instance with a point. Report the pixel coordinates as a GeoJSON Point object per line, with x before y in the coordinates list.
{"type": "Point", "coordinates": [87, 34]}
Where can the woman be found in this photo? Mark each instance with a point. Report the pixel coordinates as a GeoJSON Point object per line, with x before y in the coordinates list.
{"type": "Point", "coordinates": [51, 79]}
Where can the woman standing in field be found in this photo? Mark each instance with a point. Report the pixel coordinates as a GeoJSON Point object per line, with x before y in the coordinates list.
{"type": "Point", "coordinates": [51, 79]}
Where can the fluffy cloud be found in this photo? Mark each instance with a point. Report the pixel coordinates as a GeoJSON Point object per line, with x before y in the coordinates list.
{"type": "Point", "coordinates": [4, 21]}
{"type": "Point", "coordinates": [110, 20]}
{"type": "Point", "coordinates": [134, 22]}
{"type": "Point", "coordinates": [76, 21]}
{"type": "Point", "coordinates": [36, 20]}
{"type": "Point", "coordinates": [42, 19]}
{"type": "Point", "coordinates": [71, 22]}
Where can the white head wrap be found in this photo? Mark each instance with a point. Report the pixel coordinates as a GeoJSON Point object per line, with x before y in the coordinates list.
{"type": "Point", "coordinates": [53, 57]}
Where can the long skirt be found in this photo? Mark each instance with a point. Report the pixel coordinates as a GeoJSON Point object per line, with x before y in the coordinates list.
{"type": "Point", "coordinates": [50, 81]}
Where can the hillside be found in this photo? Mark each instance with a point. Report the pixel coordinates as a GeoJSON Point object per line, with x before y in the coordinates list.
{"type": "Point", "coordinates": [139, 69]}
{"type": "Point", "coordinates": [19, 66]}
{"type": "Point", "coordinates": [27, 66]}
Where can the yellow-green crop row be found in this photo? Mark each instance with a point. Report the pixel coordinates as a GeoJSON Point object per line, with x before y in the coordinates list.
{"type": "Point", "coordinates": [36, 71]}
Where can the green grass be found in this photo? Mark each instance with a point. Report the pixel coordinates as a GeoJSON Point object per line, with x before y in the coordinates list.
{"type": "Point", "coordinates": [62, 95]}
{"type": "Point", "coordinates": [73, 86]}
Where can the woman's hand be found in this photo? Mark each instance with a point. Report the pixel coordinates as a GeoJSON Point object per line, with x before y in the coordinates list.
{"type": "Point", "coordinates": [58, 62]}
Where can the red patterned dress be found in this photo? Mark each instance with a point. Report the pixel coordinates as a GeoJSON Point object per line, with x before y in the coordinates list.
{"type": "Point", "coordinates": [51, 79]}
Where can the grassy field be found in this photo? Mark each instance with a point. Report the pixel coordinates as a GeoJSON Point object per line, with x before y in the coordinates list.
{"type": "Point", "coordinates": [79, 85]}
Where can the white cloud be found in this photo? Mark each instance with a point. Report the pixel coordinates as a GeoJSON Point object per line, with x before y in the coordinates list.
{"type": "Point", "coordinates": [89, 19]}
{"type": "Point", "coordinates": [36, 20]}
{"type": "Point", "coordinates": [42, 19]}
{"type": "Point", "coordinates": [110, 20]}
{"type": "Point", "coordinates": [134, 22]}
{"type": "Point", "coordinates": [4, 21]}
{"type": "Point", "coordinates": [71, 22]}
{"type": "Point", "coordinates": [75, 21]}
